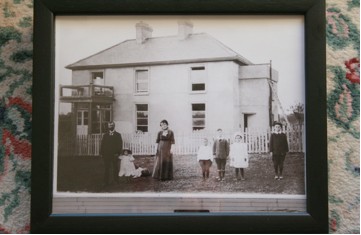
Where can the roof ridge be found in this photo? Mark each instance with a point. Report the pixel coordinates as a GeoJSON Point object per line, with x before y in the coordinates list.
{"type": "Point", "coordinates": [243, 59]}
{"type": "Point", "coordinates": [168, 36]}
{"type": "Point", "coordinates": [108, 48]}
{"type": "Point", "coordinates": [99, 52]}
{"type": "Point", "coordinates": [226, 50]}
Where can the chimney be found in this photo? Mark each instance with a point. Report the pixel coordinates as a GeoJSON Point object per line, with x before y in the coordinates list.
{"type": "Point", "coordinates": [143, 32]}
{"type": "Point", "coordinates": [185, 29]}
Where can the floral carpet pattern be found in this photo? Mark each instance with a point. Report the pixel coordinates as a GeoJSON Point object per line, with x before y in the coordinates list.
{"type": "Point", "coordinates": [343, 99]}
{"type": "Point", "coordinates": [343, 109]}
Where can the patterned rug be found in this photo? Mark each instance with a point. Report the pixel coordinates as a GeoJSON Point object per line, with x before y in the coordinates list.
{"type": "Point", "coordinates": [343, 92]}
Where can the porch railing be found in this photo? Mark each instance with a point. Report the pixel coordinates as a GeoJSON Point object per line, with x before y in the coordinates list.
{"type": "Point", "coordinates": [86, 91]}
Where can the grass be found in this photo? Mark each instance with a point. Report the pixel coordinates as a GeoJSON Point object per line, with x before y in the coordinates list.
{"type": "Point", "coordinates": [85, 174]}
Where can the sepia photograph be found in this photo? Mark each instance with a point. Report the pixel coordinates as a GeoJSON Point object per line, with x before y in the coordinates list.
{"type": "Point", "coordinates": [164, 114]}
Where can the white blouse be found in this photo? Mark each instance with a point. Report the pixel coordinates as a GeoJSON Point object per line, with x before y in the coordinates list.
{"type": "Point", "coordinates": [205, 153]}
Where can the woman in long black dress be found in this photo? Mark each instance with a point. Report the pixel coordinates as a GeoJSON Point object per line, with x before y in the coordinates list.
{"type": "Point", "coordinates": [163, 167]}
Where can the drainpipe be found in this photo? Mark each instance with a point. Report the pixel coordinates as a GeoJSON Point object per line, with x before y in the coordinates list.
{"type": "Point", "coordinates": [90, 118]}
{"type": "Point", "coordinates": [270, 96]}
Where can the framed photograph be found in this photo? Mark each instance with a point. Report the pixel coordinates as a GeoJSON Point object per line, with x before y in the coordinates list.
{"type": "Point", "coordinates": [178, 117]}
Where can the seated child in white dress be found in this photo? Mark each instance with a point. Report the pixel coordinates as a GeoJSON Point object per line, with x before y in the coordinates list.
{"type": "Point", "coordinates": [127, 167]}
{"type": "Point", "coordinates": [238, 155]}
{"type": "Point", "coordinates": [205, 158]}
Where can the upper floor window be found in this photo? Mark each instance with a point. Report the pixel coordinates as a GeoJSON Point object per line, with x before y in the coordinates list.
{"type": "Point", "coordinates": [198, 78]}
{"type": "Point", "coordinates": [97, 78]}
{"type": "Point", "coordinates": [141, 80]}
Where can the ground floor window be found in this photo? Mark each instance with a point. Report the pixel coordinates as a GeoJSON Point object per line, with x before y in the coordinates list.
{"type": "Point", "coordinates": [92, 118]}
{"type": "Point", "coordinates": [82, 117]}
{"type": "Point", "coordinates": [142, 117]}
{"type": "Point", "coordinates": [198, 116]}
{"type": "Point", "coordinates": [101, 115]}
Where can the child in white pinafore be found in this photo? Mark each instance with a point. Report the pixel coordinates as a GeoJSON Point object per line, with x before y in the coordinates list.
{"type": "Point", "coordinates": [127, 167]}
{"type": "Point", "coordinates": [239, 156]}
{"type": "Point", "coordinates": [205, 158]}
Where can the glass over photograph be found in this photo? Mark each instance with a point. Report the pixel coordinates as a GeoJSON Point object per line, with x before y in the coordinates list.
{"type": "Point", "coordinates": [167, 114]}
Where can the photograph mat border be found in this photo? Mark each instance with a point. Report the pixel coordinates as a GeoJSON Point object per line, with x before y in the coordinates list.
{"type": "Point", "coordinates": [316, 217]}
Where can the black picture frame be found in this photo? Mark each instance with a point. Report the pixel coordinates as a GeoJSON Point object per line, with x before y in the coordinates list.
{"type": "Point", "coordinates": [314, 220]}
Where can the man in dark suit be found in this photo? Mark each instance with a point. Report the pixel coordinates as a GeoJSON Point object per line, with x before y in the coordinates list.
{"type": "Point", "coordinates": [220, 154]}
{"type": "Point", "coordinates": [111, 147]}
{"type": "Point", "coordinates": [278, 149]}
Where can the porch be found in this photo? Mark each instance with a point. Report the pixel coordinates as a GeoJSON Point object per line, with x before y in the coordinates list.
{"type": "Point", "coordinates": [93, 106]}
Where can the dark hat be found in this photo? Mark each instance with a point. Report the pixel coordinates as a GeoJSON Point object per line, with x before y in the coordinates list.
{"type": "Point", "coordinates": [277, 123]}
{"type": "Point", "coordinates": [128, 150]}
{"type": "Point", "coordinates": [238, 134]}
{"type": "Point", "coordinates": [164, 121]}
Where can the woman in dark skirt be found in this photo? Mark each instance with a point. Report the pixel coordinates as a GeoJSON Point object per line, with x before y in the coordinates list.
{"type": "Point", "coordinates": [163, 165]}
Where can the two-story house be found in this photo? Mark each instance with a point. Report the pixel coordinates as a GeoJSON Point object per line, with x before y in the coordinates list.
{"type": "Point", "coordinates": [190, 79]}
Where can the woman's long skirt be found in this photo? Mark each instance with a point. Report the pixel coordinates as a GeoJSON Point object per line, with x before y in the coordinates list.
{"type": "Point", "coordinates": [163, 166]}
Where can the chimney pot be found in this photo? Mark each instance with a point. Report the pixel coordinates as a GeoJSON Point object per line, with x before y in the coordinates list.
{"type": "Point", "coordinates": [143, 32]}
{"type": "Point", "coordinates": [185, 29]}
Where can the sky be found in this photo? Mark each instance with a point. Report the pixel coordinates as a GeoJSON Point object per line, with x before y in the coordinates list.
{"type": "Point", "coordinates": [260, 39]}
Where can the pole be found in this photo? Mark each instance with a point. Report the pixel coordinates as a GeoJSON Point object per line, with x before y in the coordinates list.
{"type": "Point", "coordinates": [270, 119]}
{"type": "Point", "coordinates": [274, 92]}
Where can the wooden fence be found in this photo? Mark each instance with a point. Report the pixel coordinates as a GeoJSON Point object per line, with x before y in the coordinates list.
{"type": "Point", "coordinates": [186, 143]}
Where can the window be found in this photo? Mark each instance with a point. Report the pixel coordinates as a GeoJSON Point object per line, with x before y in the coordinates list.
{"type": "Point", "coordinates": [141, 81]}
{"type": "Point", "coordinates": [82, 117]}
{"type": "Point", "coordinates": [79, 118]}
{"type": "Point", "coordinates": [198, 116]}
{"type": "Point", "coordinates": [101, 115]}
{"type": "Point", "coordinates": [97, 81]}
{"type": "Point", "coordinates": [82, 114]}
{"type": "Point", "coordinates": [198, 78]}
{"type": "Point", "coordinates": [97, 78]}
{"type": "Point", "coordinates": [142, 117]}
{"type": "Point", "coordinates": [85, 116]}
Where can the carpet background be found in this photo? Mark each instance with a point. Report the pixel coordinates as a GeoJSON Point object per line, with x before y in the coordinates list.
{"type": "Point", "coordinates": [343, 109]}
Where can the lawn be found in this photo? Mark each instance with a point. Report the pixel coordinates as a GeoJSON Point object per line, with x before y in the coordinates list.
{"type": "Point", "coordinates": [85, 174]}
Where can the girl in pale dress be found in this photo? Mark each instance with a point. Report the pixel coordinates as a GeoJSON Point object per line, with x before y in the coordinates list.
{"type": "Point", "coordinates": [205, 158]}
{"type": "Point", "coordinates": [239, 156]}
{"type": "Point", "coordinates": [127, 167]}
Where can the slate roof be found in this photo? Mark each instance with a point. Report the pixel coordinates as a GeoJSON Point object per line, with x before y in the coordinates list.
{"type": "Point", "coordinates": [199, 47]}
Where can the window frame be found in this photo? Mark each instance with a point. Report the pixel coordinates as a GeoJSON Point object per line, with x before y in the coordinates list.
{"type": "Point", "coordinates": [191, 79]}
{"type": "Point", "coordinates": [92, 72]}
{"type": "Point", "coordinates": [136, 117]}
{"type": "Point", "coordinates": [136, 92]}
{"type": "Point", "coordinates": [205, 115]}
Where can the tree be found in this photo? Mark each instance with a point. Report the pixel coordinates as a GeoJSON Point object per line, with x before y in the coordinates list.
{"type": "Point", "coordinates": [66, 134]}
{"type": "Point", "coordinates": [297, 113]}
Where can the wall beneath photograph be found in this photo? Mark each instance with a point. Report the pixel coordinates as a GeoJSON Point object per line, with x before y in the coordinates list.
{"type": "Point", "coordinates": [343, 99]}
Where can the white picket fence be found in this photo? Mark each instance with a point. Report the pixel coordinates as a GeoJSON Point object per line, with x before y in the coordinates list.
{"type": "Point", "coordinates": [186, 143]}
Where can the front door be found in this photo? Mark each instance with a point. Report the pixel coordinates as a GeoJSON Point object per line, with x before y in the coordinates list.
{"type": "Point", "coordinates": [82, 122]}
{"type": "Point", "coordinates": [249, 120]}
